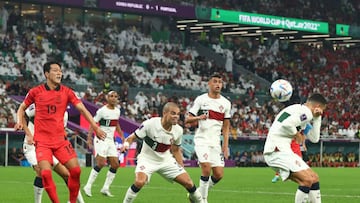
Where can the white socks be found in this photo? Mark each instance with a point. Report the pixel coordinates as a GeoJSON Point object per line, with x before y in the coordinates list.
{"type": "Point", "coordinates": [92, 178]}
{"type": "Point", "coordinates": [80, 199]}
{"type": "Point", "coordinates": [130, 196]}
{"type": "Point", "coordinates": [38, 194]}
{"type": "Point", "coordinates": [204, 188]}
{"type": "Point", "coordinates": [196, 196]}
{"type": "Point", "coordinates": [315, 196]}
{"type": "Point", "coordinates": [109, 179]}
{"type": "Point", "coordinates": [301, 197]}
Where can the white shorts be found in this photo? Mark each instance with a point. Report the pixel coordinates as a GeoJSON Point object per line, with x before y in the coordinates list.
{"type": "Point", "coordinates": [285, 162]}
{"type": "Point", "coordinates": [30, 155]}
{"type": "Point", "coordinates": [105, 148]}
{"type": "Point", "coordinates": [210, 154]}
{"type": "Point", "coordinates": [168, 169]}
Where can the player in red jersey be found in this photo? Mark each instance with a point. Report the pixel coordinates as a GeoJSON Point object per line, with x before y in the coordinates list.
{"type": "Point", "coordinates": [51, 100]}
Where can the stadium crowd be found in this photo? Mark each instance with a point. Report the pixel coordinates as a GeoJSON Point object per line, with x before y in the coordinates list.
{"type": "Point", "coordinates": [127, 59]}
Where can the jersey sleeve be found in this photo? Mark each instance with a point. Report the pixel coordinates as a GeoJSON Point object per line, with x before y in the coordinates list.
{"type": "Point", "coordinates": [196, 107]}
{"type": "Point", "coordinates": [30, 111]}
{"type": "Point", "coordinates": [227, 114]}
{"type": "Point", "coordinates": [98, 115]}
{"type": "Point", "coordinates": [30, 97]}
{"type": "Point", "coordinates": [66, 118]}
{"type": "Point", "coordinates": [179, 138]}
{"type": "Point", "coordinates": [314, 134]}
{"type": "Point", "coordinates": [73, 98]}
{"type": "Point", "coordinates": [141, 131]}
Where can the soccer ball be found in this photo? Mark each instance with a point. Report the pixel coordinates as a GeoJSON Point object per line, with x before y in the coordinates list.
{"type": "Point", "coordinates": [281, 90]}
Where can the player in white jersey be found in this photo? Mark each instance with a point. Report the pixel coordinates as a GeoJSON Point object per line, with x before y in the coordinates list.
{"type": "Point", "coordinates": [298, 121]}
{"type": "Point", "coordinates": [160, 153]}
{"type": "Point", "coordinates": [212, 112]}
{"type": "Point", "coordinates": [108, 118]}
{"type": "Point", "coordinates": [29, 152]}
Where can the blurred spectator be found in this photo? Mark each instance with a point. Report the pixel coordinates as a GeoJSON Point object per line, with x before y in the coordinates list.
{"type": "Point", "coordinates": [16, 157]}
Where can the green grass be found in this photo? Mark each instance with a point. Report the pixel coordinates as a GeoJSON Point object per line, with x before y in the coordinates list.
{"type": "Point", "coordinates": [239, 185]}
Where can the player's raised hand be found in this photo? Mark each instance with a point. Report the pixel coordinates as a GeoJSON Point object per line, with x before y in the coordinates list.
{"type": "Point", "coordinates": [318, 111]}
{"type": "Point", "coordinates": [100, 133]}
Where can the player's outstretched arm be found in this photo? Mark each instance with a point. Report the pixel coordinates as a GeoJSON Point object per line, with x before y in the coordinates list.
{"type": "Point", "coordinates": [89, 140]}
{"type": "Point", "coordinates": [20, 116]}
{"type": "Point", "coordinates": [225, 132]}
{"type": "Point", "coordinates": [176, 151]}
{"type": "Point", "coordinates": [130, 139]}
{"type": "Point", "coordinates": [120, 132]}
{"type": "Point", "coordinates": [191, 118]}
{"type": "Point", "coordinates": [28, 134]}
{"type": "Point", "coordinates": [99, 133]}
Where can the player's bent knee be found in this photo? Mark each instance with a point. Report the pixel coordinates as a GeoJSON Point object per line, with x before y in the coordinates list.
{"type": "Point", "coordinates": [140, 183]}
{"type": "Point", "coordinates": [75, 172]}
{"type": "Point", "coordinates": [308, 181]}
{"type": "Point", "coordinates": [315, 177]}
{"type": "Point", "coordinates": [114, 165]}
{"type": "Point", "coordinates": [218, 175]}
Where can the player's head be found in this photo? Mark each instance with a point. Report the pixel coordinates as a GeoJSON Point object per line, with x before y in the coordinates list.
{"type": "Point", "coordinates": [317, 103]}
{"type": "Point", "coordinates": [171, 113]}
{"type": "Point", "coordinates": [52, 72]}
{"type": "Point", "coordinates": [112, 97]}
{"type": "Point", "coordinates": [215, 83]}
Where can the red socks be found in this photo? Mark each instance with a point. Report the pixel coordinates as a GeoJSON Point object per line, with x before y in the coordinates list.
{"type": "Point", "coordinates": [49, 185]}
{"type": "Point", "coordinates": [74, 183]}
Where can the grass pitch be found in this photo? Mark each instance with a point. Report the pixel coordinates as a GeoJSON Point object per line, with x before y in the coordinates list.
{"type": "Point", "coordinates": [246, 185]}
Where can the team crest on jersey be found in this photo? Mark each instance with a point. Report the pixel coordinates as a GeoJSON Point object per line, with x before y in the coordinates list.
{"type": "Point", "coordinates": [303, 117]}
{"type": "Point", "coordinates": [172, 141]}
{"type": "Point", "coordinates": [221, 108]}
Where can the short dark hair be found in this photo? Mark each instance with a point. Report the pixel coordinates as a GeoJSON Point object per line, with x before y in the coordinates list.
{"type": "Point", "coordinates": [318, 98]}
{"type": "Point", "coordinates": [46, 67]}
{"type": "Point", "coordinates": [215, 75]}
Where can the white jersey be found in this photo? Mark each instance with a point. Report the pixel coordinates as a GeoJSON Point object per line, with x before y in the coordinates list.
{"type": "Point", "coordinates": [108, 120]}
{"type": "Point", "coordinates": [156, 140]}
{"type": "Point", "coordinates": [30, 113]}
{"type": "Point", "coordinates": [287, 123]}
{"type": "Point", "coordinates": [209, 130]}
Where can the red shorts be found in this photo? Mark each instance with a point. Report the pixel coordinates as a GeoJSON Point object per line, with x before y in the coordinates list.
{"type": "Point", "coordinates": [296, 148]}
{"type": "Point", "coordinates": [63, 151]}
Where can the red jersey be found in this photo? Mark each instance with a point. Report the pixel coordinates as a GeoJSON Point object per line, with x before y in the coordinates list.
{"type": "Point", "coordinates": [50, 108]}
